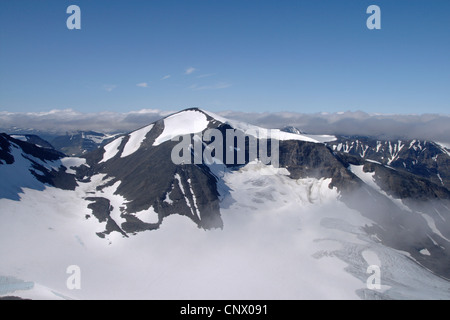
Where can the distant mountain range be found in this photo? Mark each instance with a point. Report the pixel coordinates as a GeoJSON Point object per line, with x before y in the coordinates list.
{"type": "Point", "coordinates": [72, 144]}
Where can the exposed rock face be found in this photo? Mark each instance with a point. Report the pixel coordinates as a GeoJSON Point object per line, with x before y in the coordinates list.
{"type": "Point", "coordinates": [81, 142]}
{"type": "Point", "coordinates": [422, 158]}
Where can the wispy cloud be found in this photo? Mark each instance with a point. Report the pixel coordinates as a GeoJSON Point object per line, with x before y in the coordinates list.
{"type": "Point", "coordinates": [207, 75]}
{"type": "Point", "coordinates": [189, 71]}
{"type": "Point", "coordinates": [142, 85]}
{"type": "Point", "coordinates": [166, 77]}
{"type": "Point", "coordinates": [217, 86]}
{"type": "Point", "coordinates": [109, 87]}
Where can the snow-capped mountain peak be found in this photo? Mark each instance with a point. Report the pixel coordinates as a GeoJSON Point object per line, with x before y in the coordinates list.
{"type": "Point", "coordinates": [329, 208]}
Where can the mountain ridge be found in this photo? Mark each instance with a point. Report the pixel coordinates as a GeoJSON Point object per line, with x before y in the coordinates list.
{"type": "Point", "coordinates": [131, 186]}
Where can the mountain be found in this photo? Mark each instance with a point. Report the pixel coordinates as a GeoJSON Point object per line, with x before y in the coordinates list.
{"type": "Point", "coordinates": [81, 142]}
{"type": "Point", "coordinates": [74, 144]}
{"type": "Point", "coordinates": [27, 165]}
{"type": "Point", "coordinates": [304, 220]}
{"type": "Point", "coordinates": [425, 159]}
{"type": "Point", "coordinates": [34, 139]}
{"type": "Point", "coordinates": [292, 129]}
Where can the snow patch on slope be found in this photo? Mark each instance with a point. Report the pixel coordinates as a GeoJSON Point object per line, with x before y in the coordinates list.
{"type": "Point", "coordinates": [95, 188]}
{"type": "Point", "coordinates": [135, 141]}
{"type": "Point", "coordinates": [432, 225]}
{"type": "Point", "coordinates": [148, 216]}
{"type": "Point", "coordinates": [194, 198]}
{"type": "Point", "coordinates": [111, 149]}
{"type": "Point", "coordinates": [71, 163]}
{"type": "Point", "coordinates": [369, 179]}
{"type": "Point", "coordinates": [17, 176]}
{"type": "Point", "coordinates": [188, 203]}
{"type": "Point", "coordinates": [100, 138]}
{"type": "Point", "coordinates": [445, 147]}
{"type": "Point", "coordinates": [167, 198]}
{"type": "Point", "coordinates": [19, 137]}
{"type": "Point", "coordinates": [366, 177]}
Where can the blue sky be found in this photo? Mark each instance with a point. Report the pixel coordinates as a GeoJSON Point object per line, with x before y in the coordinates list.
{"type": "Point", "coordinates": [242, 55]}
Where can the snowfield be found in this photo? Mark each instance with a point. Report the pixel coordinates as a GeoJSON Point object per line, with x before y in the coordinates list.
{"type": "Point", "coordinates": [282, 239]}
{"type": "Point", "coordinates": [182, 123]}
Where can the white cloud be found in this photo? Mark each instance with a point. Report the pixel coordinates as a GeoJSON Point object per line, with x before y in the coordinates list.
{"type": "Point", "coordinates": [189, 71]}
{"type": "Point", "coordinates": [166, 77]}
{"type": "Point", "coordinates": [62, 121]}
{"type": "Point", "coordinates": [142, 85]}
{"type": "Point", "coordinates": [384, 126]}
{"type": "Point", "coordinates": [426, 127]}
{"type": "Point", "coordinates": [109, 87]}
